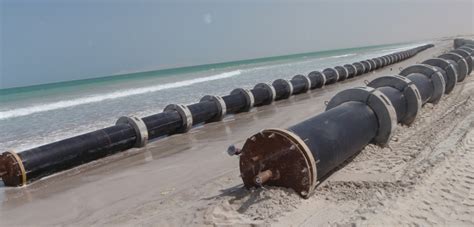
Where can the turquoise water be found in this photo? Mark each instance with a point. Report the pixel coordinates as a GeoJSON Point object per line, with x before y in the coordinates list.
{"type": "Point", "coordinates": [35, 115]}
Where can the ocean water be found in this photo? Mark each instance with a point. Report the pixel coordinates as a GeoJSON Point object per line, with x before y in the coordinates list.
{"type": "Point", "coordinates": [37, 115]}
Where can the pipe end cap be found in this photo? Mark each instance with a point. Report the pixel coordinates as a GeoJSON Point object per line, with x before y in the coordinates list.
{"type": "Point", "coordinates": [12, 170]}
{"type": "Point", "coordinates": [284, 154]}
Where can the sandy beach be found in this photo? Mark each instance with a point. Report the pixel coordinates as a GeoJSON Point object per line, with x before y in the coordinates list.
{"type": "Point", "coordinates": [425, 176]}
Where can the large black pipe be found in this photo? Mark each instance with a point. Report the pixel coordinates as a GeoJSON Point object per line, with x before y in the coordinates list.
{"type": "Point", "coordinates": [51, 158]}
{"type": "Point", "coordinates": [234, 102]}
{"type": "Point", "coordinates": [462, 64]}
{"type": "Point", "coordinates": [462, 42]}
{"type": "Point", "coordinates": [332, 76]}
{"type": "Point", "coordinates": [467, 57]}
{"type": "Point", "coordinates": [360, 68]}
{"type": "Point", "coordinates": [162, 124]}
{"type": "Point", "coordinates": [317, 78]}
{"type": "Point", "coordinates": [261, 96]}
{"type": "Point", "coordinates": [423, 84]}
{"type": "Point", "coordinates": [300, 156]}
{"type": "Point", "coordinates": [450, 71]}
{"type": "Point", "coordinates": [353, 121]}
{"type": "Point", "coordinates": [283, 89]}
{"type": "Point", "coordinates": [342, 72]}
{"type": "Point", "coordinates": [309, 150]}
{"type": "Point", "coordinates": [18, 169]}
{"type": "Point", "coordinates": [397, 99]}
{"type": "Point", "coordinates": [203, 111]}
{"type": "Point", "coordinates": [300, 84]}
{"type": "Point", "coordinates": [351, 70]}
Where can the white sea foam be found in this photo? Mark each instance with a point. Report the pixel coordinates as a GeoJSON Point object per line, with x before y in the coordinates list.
{"type": "Point", "coordinates": [340, 56]}
{"type": "Point", "coordinates": [112, 95]}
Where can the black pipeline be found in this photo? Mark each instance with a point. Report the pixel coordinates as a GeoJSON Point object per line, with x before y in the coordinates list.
{"type": "Point", "coordinates": [300, 156]}
{"type": "Point", "coordinates": [18, 169]}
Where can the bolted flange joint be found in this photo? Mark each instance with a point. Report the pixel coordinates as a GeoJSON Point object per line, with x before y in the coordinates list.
{"type": "Point", "coordinates": [408, 89]}
{"type": "Point", "coordinates": [185, 113]}
{"type": "Point", "coordinates": [449, 68]}
{"type": "Point", "coordinates": [139, 126]}
{"type": "Point", "coordinates": [220, 104]}
{"type": "Point", "coordinates": [249, 99]}
{"type": "Point", "coordinates": [265, 153]}
{"type": "Point", "coordinates": [378, 102]}
{"type": "Point", "coordinates": [12, 170]}
{"type": "Point", "coordinates": [288, 86]}
{"type": "Point", "coordinates": [307, 81]}
{"type": "Point", "coordinates": [271, 91]}
{"type": "Point", "coordinates": [436, 77]}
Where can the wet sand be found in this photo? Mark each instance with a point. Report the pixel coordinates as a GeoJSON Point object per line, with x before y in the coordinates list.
{"type": "Point", "coordinates": [424, 177]}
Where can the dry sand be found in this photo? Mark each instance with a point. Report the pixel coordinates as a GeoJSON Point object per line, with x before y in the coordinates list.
{"type": "Point", "coordinates": [425, 177]}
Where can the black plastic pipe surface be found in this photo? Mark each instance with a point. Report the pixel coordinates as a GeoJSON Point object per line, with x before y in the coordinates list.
{"type": "Point", "coordinates": [353, 121]}
{"type": "Point", "coordinates": [300, 156]}
{"type": "Point", "coordinates": [20, 168]}
{"type": "Point", "coordinates": [51, 158]}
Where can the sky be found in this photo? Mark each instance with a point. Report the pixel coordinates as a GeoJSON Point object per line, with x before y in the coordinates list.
{"type": "Point", "coordinates": [45, 41]}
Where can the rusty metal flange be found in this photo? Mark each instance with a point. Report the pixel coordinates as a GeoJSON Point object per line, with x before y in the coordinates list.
{"type": "Point", "coordinates": [12, 170]}
{"type": "Point", "coordinates": [278, 157]}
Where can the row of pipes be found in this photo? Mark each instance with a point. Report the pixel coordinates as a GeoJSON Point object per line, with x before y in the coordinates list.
{"type": "Point", "coordinates": [300, 156]}
{"type": "Point", "coordinates": [17, 169]}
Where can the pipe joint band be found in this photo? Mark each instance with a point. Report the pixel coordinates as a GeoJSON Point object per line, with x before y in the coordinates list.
{"type": "Point", "coordinates": [450, 70]}
{"type": "Point", "coordinates": [249, 99]}
{"type": "Point", "coordinates": [354, 70]}
{"type": "Point", "coordinates": [324, 79]}
{"type": "Point", "coordinates": [139, 126]}
{"type": "Point", "coordinates": [270, 89]}
{"type": "Point", "coordinates": [287, 84]}
{"type": "Point", "coordinates": [373, 65]}
{"type": "Point", "coordinates": [362, 66]}
{"type": "Point", "coordinates": [220, 104]}
{"type": "Point", "coordinates": [462, 64]}
{"type": "Point", "coordinates": [342, 72]}
{"type": "Point", "coordinates": [378, 102]}
{"type": "Point", "coordinates": [385, 60]}
{"type": "Point", "coordinates": [185, 113]}
{"type": "Point", "coordinates": [347, 73]}
{"type": "Point", "coordinates": [366, 65]}
{"type": "Point", "coordinates": [467, 56]}
{"type": "Point", "coordinates": [436, 77]}
{"type": "Point", "coordinates": [307, 81]}
{"type": "Point", "coordinates": [378, 62]}
{"type": "Point", "coordinates": [333, 71]}
{"type": "Point", "coordinates": [408, 89]}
